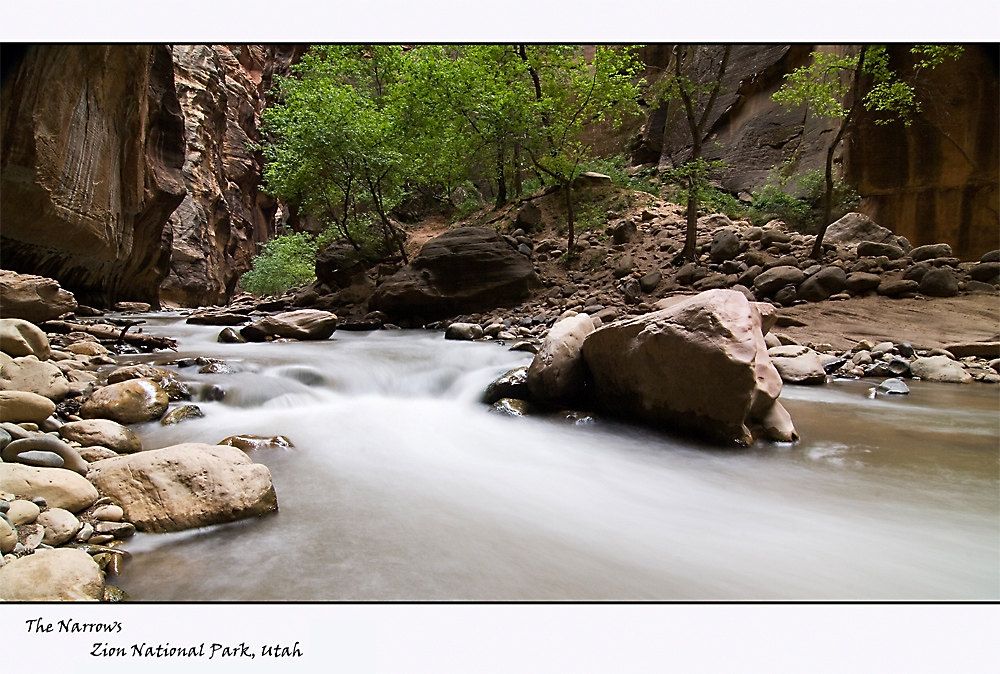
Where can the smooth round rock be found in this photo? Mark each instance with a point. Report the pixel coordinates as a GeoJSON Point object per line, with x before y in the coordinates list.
{"type": "Point", "coordinates": [512, 384]}
{"type": "Point", "coordinates": [87, 348]}
{"type": "Point", "coordinates": [24, 406]}
{"type": "Point", "coordinates": [939, 282]}
{"type": "Point", "coordinates": [895, 386]}
{"type": "Point", "coordinates": [511, 407]}
{"type": "Point", "coordinates": [30, 374]}
{"type": "Point", "coordinates": [127, 402]}
{"type": "Point", "coordinates": [57, 487]}
{"type": "Point", "coordinates": [37, 458]}
{"type": "Point", "coordinates": [92, 454]}
{"type": "Point", "coordinates": [8, 537]}
{"type": "Point", "coordinates": [47, 443]}
{"type": "Point", "coordinates": [118, 530]}
{"type": "Point", "coordinates": [102, 433]}
{"type": "Point", "coordinates": [60, 526]}
{"type": "Point", "coordinates": [22, 512]}
{"type": "Point", "coordinates": [52, 575]}
{"type": "Point", "coordinates": [19, 337]}
{"type": "Point", "coordinates": [109, 513]}
{"type": "Point", "coordinates": [939, 368]}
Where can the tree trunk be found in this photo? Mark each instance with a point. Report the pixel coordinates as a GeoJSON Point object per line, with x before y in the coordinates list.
{"type": "Point", "coordinates": [569, 219]}
{"type": "Point", "coordinates": [817, 249]}
{"type": "Point", "coordinates": [501, 180]}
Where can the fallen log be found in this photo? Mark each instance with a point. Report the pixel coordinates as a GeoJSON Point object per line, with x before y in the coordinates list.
{"type": "Point", "coordinates": [111, 334]}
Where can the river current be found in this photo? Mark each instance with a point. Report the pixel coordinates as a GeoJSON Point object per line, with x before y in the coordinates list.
{"type": "Point", "coordinates": [402, 486]}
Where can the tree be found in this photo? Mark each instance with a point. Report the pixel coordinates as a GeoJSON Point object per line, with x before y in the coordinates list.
{"type": "Point", "coordinates": [566, 93]}
{"type": "Point", "coordinates": [835, 86]}
{"type": "Point", "coordinates": [697, 99]}
{"type": "Point", "coordinates": [339, 138]}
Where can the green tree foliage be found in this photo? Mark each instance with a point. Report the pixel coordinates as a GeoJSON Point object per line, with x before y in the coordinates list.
{"type": "Point", "coordinates": [835, 86]}
{"type": "Point", "coordinates": [697, 98]}
{"type": "Point", "coordinates": [358, 127]}
{"type": "Point", "coordinates": [284, 262]}
{"type": "Point", "coordinates": [339, 138]}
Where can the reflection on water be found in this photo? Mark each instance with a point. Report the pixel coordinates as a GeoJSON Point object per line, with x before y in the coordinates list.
{"type": "Point", "coordinates": [402, 486]}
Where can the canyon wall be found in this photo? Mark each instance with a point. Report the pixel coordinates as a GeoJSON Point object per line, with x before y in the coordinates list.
{"type": "Point", "coordinates": [935, 180]}
{"type": "Point", "coordinates": [216, 229]}
{"type": "Point", "coordinates": [92, 149]}
{"type": "Point", "coordinates": [126, 170]}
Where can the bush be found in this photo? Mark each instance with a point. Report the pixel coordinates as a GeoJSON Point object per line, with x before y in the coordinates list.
{"type": "Point", "coordinates": [284, 262]}
{"type": "Point", "coordinates": [616, 168]}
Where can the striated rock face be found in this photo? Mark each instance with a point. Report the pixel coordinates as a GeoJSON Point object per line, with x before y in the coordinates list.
{"type": "Point", "coordinates": [92, 149]}
{"type": "Point", "coordinates": [936, 180]}
{"type": "Point", "coordinates": [216, 230]}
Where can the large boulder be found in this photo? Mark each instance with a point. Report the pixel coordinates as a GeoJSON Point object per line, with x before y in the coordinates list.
{"type": "Point", "coordinates": [558, 372]}
{"type": "Point", "coordinates": [856, 228]}
{"type": "Point", "coordinates": [824, 283]}
{"type": "Point", "coordinates": [940, 368]}
{"type": "Point", "coordinates": [301, 324]}
{"type": "Point", "coordinates": [185, 486]}
{"type": "Point", "coordinates": [776, 278]}
{"type": "Point", "coordinates": [59, 487]}
{"type": "Point", "coordinates": [52, 575]}
{"type": "Point", "coordinates": [23, 338]}
{"type": "Point", "coordinates": [127, 402]}
{"type": "Point", "coordinates": [700, 366]}
{"type": "Point", "coordinates": [33, 298]}
{"type": "Point", "coordinates": [465, 270]}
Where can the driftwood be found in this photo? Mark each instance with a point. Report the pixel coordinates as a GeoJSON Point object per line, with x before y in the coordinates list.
{"type": "Point", "coordinates": [110, 333]}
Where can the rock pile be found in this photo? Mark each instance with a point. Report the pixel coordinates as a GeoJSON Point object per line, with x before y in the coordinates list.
{"type": "Point", "coordinates": [75, 481]}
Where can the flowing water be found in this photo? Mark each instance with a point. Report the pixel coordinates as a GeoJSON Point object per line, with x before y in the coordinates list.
{"type": "Point", "coordinates": [401, 485]}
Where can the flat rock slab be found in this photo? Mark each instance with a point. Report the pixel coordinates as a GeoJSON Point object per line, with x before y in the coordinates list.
{"type": "Point", "coordinates": [186, 486]}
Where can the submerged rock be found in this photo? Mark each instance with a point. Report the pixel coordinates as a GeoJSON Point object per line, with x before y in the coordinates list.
{"type": "Point", "coordinates": [249, 443]}
{"type": "Point", "coordinates": [511, 384]}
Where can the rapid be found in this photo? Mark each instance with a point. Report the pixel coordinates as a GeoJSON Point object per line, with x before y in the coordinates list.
{"type": "Point", "coordinates": [401, 485]}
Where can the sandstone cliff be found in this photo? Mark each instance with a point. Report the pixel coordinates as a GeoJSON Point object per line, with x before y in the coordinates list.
{"type": "Point", "coordinates": [92, 149]}
{"type": "Point", "coordinates": [126, 173]}
{"type": "Point", "coordinates": [933, 181]}
{"type": "Point", "coordinates": [216, 229]}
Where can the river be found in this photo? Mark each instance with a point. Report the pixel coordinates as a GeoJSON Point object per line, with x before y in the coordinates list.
{"type": "Point", "coordinates": [402, 486]}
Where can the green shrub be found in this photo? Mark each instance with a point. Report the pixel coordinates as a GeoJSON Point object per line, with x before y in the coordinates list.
{"type": "Point", "coordinates": [284, 262]}
{"type": "Point", "coordinates": [616, 168]}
